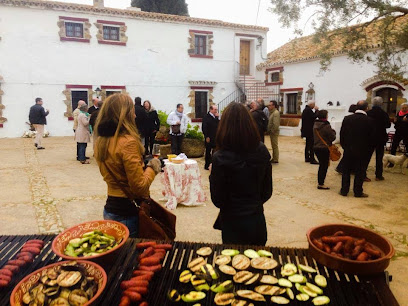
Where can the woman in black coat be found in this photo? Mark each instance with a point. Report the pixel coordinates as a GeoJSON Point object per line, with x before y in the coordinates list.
{"type": "Point", "coordinates": [241, 178]}
{"type": "Point", "coordinates": [152, 126]}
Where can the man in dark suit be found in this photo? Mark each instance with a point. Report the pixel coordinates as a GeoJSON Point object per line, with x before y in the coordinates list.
{"type": "Point", "coordinates": [308, 119]}
{"type": "Point", "coordinates": [94, 107]}
{"type": "Point", "coordinates": [141, 118]}
{"type": "Point", "coordinates": [357, 137]}
{"type": "Point", "coordinates": [382, 123]}
{"type": "Point", "coordinates": [209, 127]}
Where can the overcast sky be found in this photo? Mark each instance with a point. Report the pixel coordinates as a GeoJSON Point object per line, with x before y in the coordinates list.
{"type": "Point", "coordinates": [242, 11]}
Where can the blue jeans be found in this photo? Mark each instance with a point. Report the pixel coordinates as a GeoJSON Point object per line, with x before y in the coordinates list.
{"type": "Point", "coordinates": [81, 150]}
{"type": "Point", "coordinates": [132, 222]}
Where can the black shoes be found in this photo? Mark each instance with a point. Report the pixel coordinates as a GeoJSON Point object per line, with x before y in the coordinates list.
{"type": "Point", "coordinates": [323, 187]}
{"type": "Point", "coordinates": [343, 194]}
{"type": "Point", "coordinates": [40, 148]}
{"type": "Point", "coordinates": [314, 162]}
{"type": "Point", "coordinates": [363, 195]}
{"type": "Point", "coordinates": [36, 145]}
{"type": "Point", "coordinates": [381, 178]}
{"type": "Point", "coordinates": [274, 162]}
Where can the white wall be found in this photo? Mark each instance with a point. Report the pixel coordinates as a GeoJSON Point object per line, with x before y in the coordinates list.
{"type": "Point", "coordinates": [154, 64]}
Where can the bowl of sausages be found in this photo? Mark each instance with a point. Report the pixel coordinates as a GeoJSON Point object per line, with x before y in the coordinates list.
{"type": "Point", "coordinates": [349, 248]}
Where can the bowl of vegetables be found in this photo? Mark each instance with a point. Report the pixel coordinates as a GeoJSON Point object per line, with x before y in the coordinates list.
{"type": "Point", "coordinates": [93, 240]}
{"type": "Point", "coordinates": [62, 283]}
{"type": "Point", "coordinates": [349, 248]}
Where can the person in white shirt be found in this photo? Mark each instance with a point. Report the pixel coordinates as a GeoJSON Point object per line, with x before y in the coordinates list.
{"type": "Point", "coordinates": [178, 127]}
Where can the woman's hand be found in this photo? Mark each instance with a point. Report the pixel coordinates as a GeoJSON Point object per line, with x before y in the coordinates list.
{"type": "Point", "coordinates": [155, 164]}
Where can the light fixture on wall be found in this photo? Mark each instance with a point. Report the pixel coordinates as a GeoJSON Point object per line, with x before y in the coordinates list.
{"type": "Point", "coordinates": [98, 91]}
{"type": "Point", "coordinates": [260, 40]}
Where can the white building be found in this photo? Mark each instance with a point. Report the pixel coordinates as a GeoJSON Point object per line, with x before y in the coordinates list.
{"type": "Point", "coordinates": [293, 70]}
{"type": "Point", "coordinates": [62, 52]}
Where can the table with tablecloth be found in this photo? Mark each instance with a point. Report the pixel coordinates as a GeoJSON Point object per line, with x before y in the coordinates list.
{"type": "Point", "coordinates": [182, 184]}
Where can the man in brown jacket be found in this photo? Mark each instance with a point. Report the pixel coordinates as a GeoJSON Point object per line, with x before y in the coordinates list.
{"type": "Point", "coordinates": [273, 128]}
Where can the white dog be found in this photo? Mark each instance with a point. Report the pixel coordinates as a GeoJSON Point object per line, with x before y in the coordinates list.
{"type": "Point", "coordinates": [398, 161]}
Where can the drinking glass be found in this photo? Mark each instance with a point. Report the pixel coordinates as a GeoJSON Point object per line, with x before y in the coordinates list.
{"type": "Point", "coordinates": [156, 150]}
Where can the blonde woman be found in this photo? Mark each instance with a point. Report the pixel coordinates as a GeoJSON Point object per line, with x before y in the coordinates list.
{"type": "Point", "coordinates": [119, 153]}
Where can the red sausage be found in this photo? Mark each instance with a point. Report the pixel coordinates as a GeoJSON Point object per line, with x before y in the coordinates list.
{"type": "Point", "coordinates": [12, 268]}
{"type": "Point", "coordinates": [33, 245]}
{"type": "Point", "coordinates": [360, 242]}
{"type": "Point", "coordinates": [150, 261]}
{"type": "Point", "coordinates": [155, 268]}
{"type": "Point", "coordinates": [357, 250]}
{"type": "Point", "coordinates": [146, 253]}
{"type": "Point", "coordinates": [6, 272]}
{"type": "Point", "coordinates": [141, 272]}
{"type": "Point", "coordinates": [371, 251]}
{"type": "Point", "coordinates": [348, 246]}
{"type": "Point", "coordinates": [339, 233]}
{"type": "Point", "coordinates": [26, 259]}
{"type": "Point", "coordinates": [32, 250]}
{"type": "Point", "coordinates": [5, 277]}
{"type": "Point", "coordinates": [16, 262]}
{"type": "Point", "coordinates": [326, 248]}
{"type": "Point", "coordinates": [22, 254]}
{"type": "Point", "coordinates": [334, 240]}
{"type": "Point", "coordinates": [164, 246]}
{"type": "Point", "coordinates": [338, 247]}
{"type": "Point", "coordinates": [145, 245]}
{"type": "Point", "coordinates": [143, 277]}
{"type": "Point", "coordinates": [133, 296]}
{"type": "Point", "coordinates": [133, 283]}
{"type": "Point", "coordinates": [144, 304]}
{"type": "Point", "coordinates": [36, 241]}
{"type": "Point", "coordinates": [141, 290]}
{"type": "Point", "coordinates": [124, 301]}
{"type": "Point", "coordinates": [318, 244]}
{"type": "Point", "coordinates": [3, 283]}
{"type": "Point", "coordinates": [160, 256]}
{"type": "Point", "coordinates": [362, 257]}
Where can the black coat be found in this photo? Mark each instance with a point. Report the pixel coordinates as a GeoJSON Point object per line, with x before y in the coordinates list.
{"type": "Point", "coordinates": [94, 116]}
{"type": "Point", "coordinates": [153, 122]}
{"type": "Point", "coordinates": [141, 119]}
{"type": "Point", "coordinates": [400, 125]}
{"type": "Point", "coordinates": [92, 109]}
{"type": "Point", "coordinates": [308, 119]}
{"type": "Point", "coordinates": [37, 115]}
{"type": "Point", "coordinates": [241, 183]}
{"type": "Point", "coordinates": [381, 122]}
{"type": "Point", "coordinates": [209, 127]}
{"type": "Point", "coordinates": [357, 135]}
{"type": "Point", "coordinates": [261, 121]}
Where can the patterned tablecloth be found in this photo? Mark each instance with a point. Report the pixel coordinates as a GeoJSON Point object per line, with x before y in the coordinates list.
{"type": "Point", "coordinates": [182, 184]}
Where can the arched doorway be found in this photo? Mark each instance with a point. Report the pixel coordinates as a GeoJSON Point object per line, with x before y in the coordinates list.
{"type": "Point", "coordinates": [390, 96]}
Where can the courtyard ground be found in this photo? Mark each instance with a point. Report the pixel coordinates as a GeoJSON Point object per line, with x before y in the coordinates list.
{"type": "Point", "coordinates": [47, 191]}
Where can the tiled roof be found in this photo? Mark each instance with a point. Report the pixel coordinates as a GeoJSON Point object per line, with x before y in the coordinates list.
{"type": "Point", "coordinates": [305, 49]}
{"type": "Point", "coordinates": [127, 13]}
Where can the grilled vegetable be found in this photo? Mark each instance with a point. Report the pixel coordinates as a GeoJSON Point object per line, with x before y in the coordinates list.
{"type": "Point", "coordinates": [242, 277]}
{"type": "Point", "coordinates": [269, 279]}
{"type": "Point", "coordinates": [321, 281]}
{"type": "Point", "coordinates": [229, 252]}
{"type": "Point", "coordinates": [204, 251]}
{"type": "Point", "coordinates": [222, 287]}
{"type": "Point", "coordinates": [303, 297]}
{"type": "Point", "coordinates": [193, 296]}
{"type": "Point", "coordinates": [91, 243]}
{"type": "Point", "coordinates": [264, 253]}
{"type": "Point", "coordinates": [283, 282]}
{"type": "Point", "coordinates": [223, 298]}
{"type": "Point", "coordinates": [241, 303]}
{"type": "Point", "coordinates": [314, 288]}
{"type": "Point", "coordinates": [174, 296]}
{"type": "Point", "coordinates": [264, 263]}
{"type": "Point", "coordinates": [227, 270]}
{"type": "Point", "coordinates": [222, 260]}
{"type": "Point", "coordinates": [288, 269]}
{"type": "Point", "coordinates": [241, 262]}
{"type": "Point", "coordinates": [321, 300]}
{"type": "Point", "coordinates": [254, 279]}
{"type": "Point", "coordinates": [195, 281]}
{"type": "Point", "coordinates": [78, 297]}
{"type": "Point", "coordinates": [196, 264]}
{"type": "Point", "coordinates": [251, 254]}
{"type": "Point", "coordinates": [185, 276]}
{"type": "Point", "coordinates": [306, 268]}
{"type": "Point", "coordinates": [251, 295]}
{"type": "Point", "coordinates": [267, 290]}
{"type": "Point", "coordinates": [209, 270]}
{"type": "Point", "coordinates": [297, 278]}
{"type": "Point", "coordinates": [308, 291]}
{"type": "Point", "coordinates": [290, 293]}
{"type": "Point", "coordinates": [279, 300]}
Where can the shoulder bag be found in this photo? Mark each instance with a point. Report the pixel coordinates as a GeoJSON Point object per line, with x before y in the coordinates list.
{"type": "Point", "coordinates": [155, 221]}
{"type": "Point", "coordinates": [335, 154]}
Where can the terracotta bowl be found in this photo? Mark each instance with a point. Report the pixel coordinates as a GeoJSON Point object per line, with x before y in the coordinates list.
{"type": "Point", "coordinates": [27, 282]}
{"type": "Point", "coordinates": [113, 228]}
{"type": "Point", "coordinates": [347, 265]}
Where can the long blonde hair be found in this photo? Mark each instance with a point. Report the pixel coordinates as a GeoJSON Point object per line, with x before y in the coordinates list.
{"type": "Point", "coordinates": [117, 112]}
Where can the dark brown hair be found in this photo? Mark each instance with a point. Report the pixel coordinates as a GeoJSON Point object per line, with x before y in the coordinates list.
{"type": "Point", "coordinates": [237, 130]}
{"type": "Point", "coordinates": [322, 114]}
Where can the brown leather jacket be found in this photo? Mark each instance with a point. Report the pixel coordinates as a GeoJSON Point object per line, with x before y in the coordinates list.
{"type": "Point", "coordinates": [126, 162]}
{"type": "Point", "coordinates": [326, 132]}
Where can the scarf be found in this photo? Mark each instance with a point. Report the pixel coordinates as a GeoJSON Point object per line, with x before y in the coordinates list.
{"type": "Point", "coordinates": [402, 114]}
{"type": "Point", "coordinates": [180, 115]}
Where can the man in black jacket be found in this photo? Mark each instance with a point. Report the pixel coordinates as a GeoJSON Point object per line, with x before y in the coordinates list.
{"type": "Point", "coordinates": [260, 119]}
{"type": "Point", "coordinates": [209, 127]}
{"type": "Point", "coordinates": [308, 119]}
{"type": "Point", "coordinates": [357, 137]}
{"type": "Point", "coordinates": [141, 118]}
{"type": "Point", "coordinates": [382, 123]}
{"type": "Point", "coordinates": [94, 107]}
{"type": "Point", "coordinates": [37, 119]}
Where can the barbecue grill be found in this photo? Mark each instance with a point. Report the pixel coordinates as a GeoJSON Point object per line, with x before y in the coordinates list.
{"type": "Point", "coordinates": [342, 289]}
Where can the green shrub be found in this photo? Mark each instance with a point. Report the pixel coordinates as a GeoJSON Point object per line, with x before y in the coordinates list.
{"type": "Point", "coordinates": [194, 132]}
{"type": "Point", "coordinates": [163, 118]}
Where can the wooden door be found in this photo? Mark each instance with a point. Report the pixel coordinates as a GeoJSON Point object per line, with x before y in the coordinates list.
{"type": "Point", "coordinates": [292, 103]}
{"type": "Point", "coordinates": [244, 55]}
{"type": "Point", "coordinates": [389, 96]}
{"type": "Point", "coordinates": [201, 104]}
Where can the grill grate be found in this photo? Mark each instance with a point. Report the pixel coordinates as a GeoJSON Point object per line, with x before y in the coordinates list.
{"type": "Point", "coordinates": [342, 289]}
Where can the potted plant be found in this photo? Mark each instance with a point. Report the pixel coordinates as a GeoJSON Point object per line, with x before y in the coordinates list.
{"type": "Point", "coordinates": [163, 136]}
{"type": "Point", "coordinates": [193, 143]}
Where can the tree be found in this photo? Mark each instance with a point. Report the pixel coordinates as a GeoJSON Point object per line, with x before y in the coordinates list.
{"type": "Point", "coordinates": [362, 27]}
{"type": "Point", "coordinates": [173, 7]}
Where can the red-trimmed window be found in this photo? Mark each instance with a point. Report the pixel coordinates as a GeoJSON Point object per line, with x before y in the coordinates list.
{"type": "Point", "coordinates": [74, 29]}
{"type": "Point", "coordinates": [200, 44]}
{"type": "Point", "coordinates": [111, 33]}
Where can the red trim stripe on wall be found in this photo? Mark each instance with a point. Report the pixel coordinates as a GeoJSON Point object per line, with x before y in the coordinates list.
{"type": "Point", "coordinates": [203, 88]}
{"type": "Point", "coordinates": [112, 87]}
{"type": "Point", "coordinates": [201, 32]}
{"type": "Point", "coordinates": [291, 89]}
{"type": "Point", "coordinates": [73, 18]}
{"type": "Point", "coordinates": [111, 22]}
{"type": "Point", "coordinates": [78, 86]}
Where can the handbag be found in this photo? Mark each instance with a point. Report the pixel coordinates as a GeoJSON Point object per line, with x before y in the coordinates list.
{"type": "Point", "coordinates": [155, 221]}
{"type": "Point", "coordinates": [335, 154]}
{"type": "Point", "coordinates": [175, 129]}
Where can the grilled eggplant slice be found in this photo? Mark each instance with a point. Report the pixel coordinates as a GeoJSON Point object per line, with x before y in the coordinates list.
{"type": "Point", "coordinates": [242, 277]}
{"type": "Point", "coordinates": [69, 279]}
{"type": "Point", "coordinates": [269, 279]}
{"type": "Point", "coordinates": [204, 251]}
{"type": "Point", "coordinates": [280, 300]}
{"type": "Point", "coordinates": [241, 303]}
{"type": "Point", "coordinates": [77, 297]}
{"type": "Point", "coordinates": [241, 262]}
{"type": "Point", "coordinates": [264, 263]}
{"type": "Point", "coordinates": [223, 298]}
{"type": "Point", "coordinates": [60, 302]}
{"type": "Point", "coordinates": [250, 295]}
{"type": "Point", "coordinates": [193, 296]}
{"type": "Point", "coordinates": [185, 276]}
{"type": "Point", "coordinates": [222, 260]}
{"type": "Point", "coordinates": [254, 279]}
{"type": "Point", "coordinates": [227, 270]}
{"type": "Point", "coordinates": [267, 289]}
{"type": "Point", "coordinates": [196, 264]}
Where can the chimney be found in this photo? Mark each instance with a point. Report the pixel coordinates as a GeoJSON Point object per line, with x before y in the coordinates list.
{"type": "Point", "coordinates": [98, 3]}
